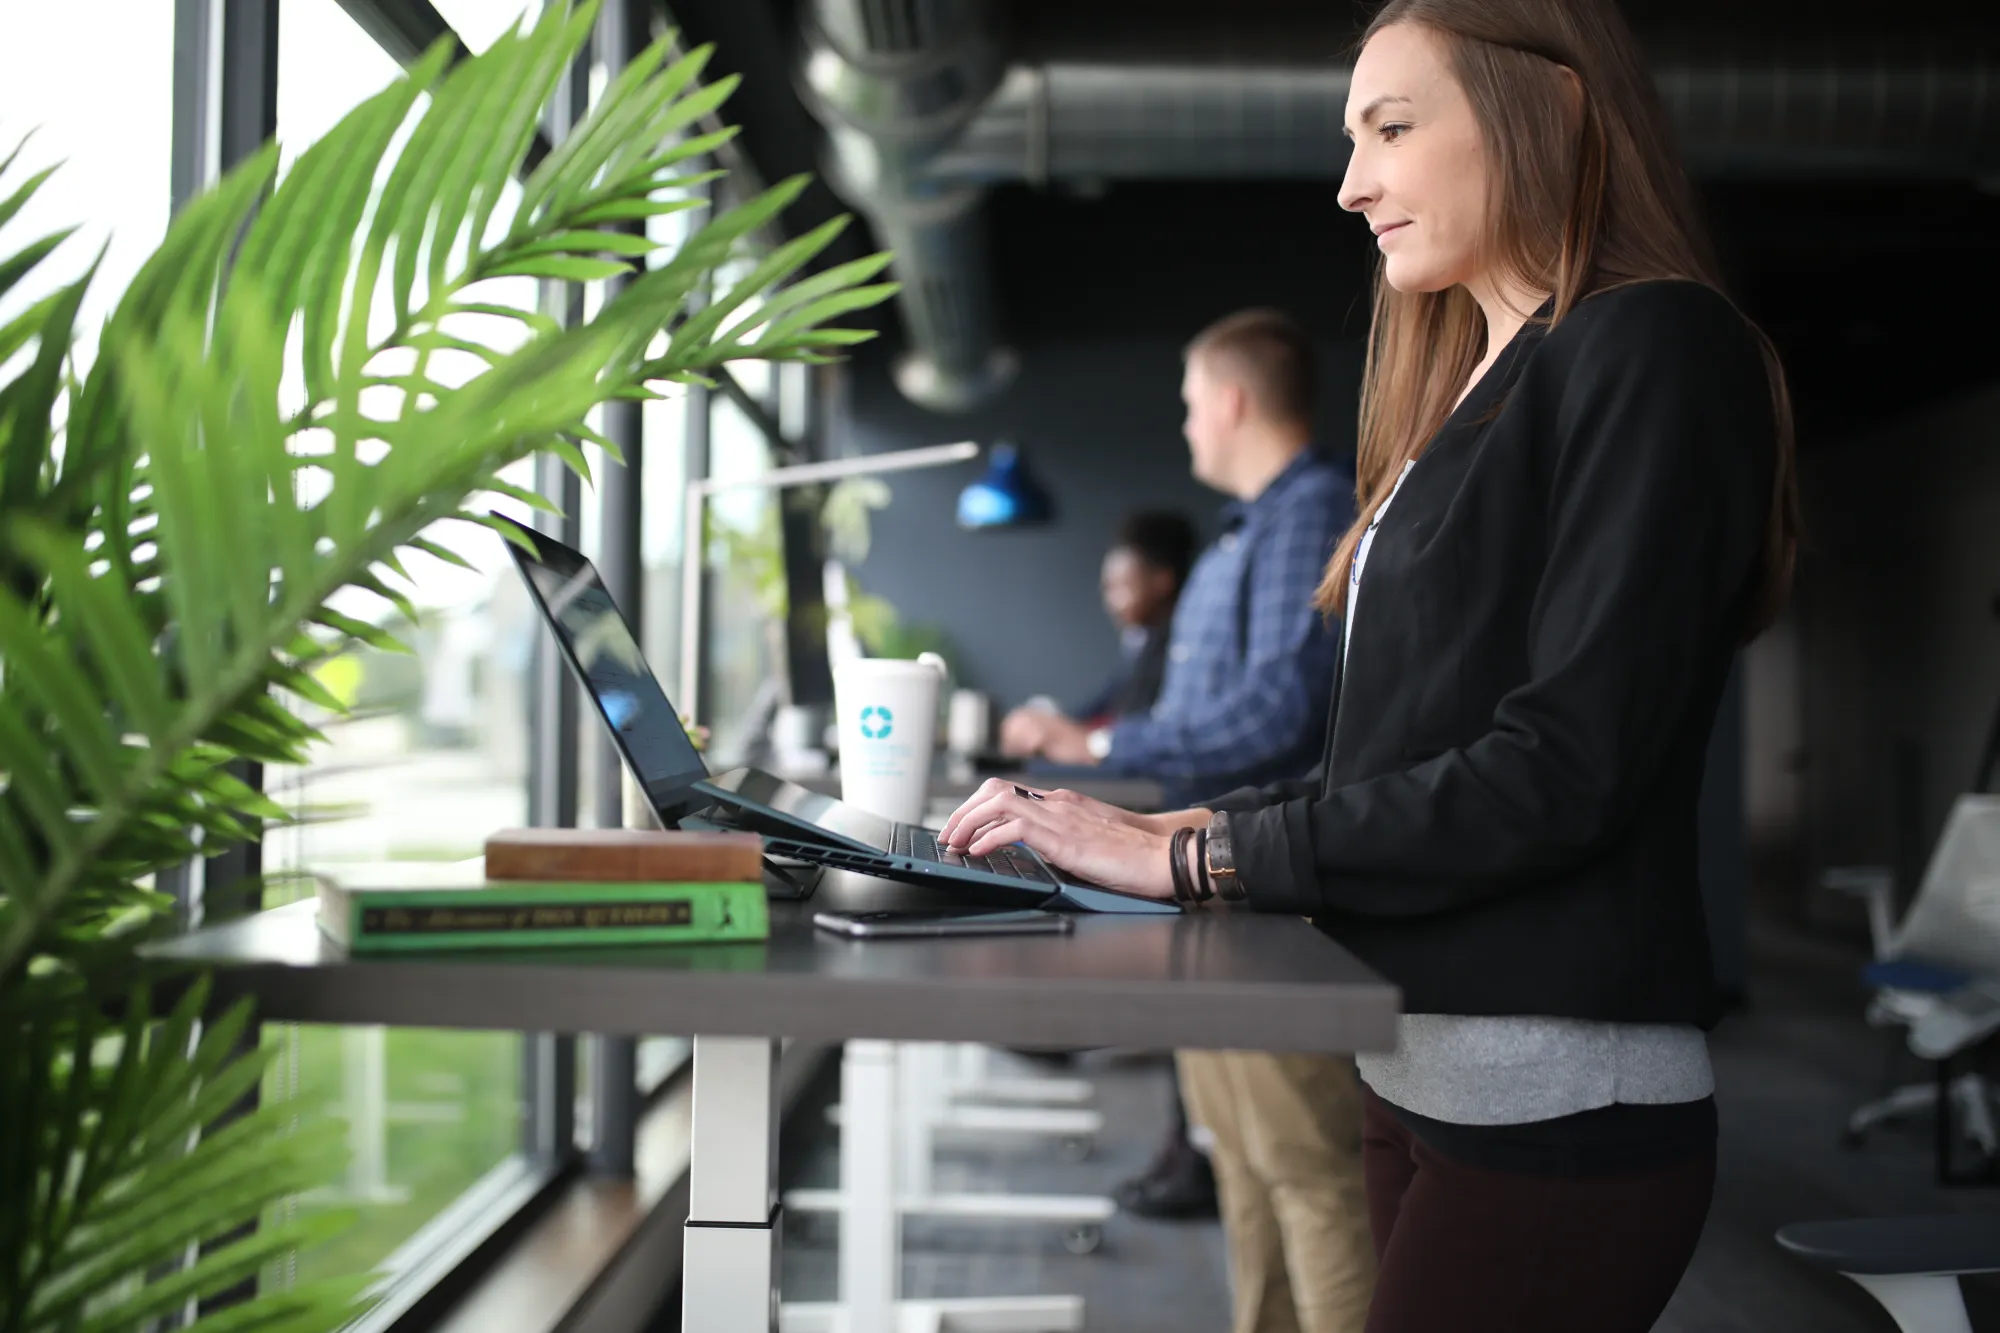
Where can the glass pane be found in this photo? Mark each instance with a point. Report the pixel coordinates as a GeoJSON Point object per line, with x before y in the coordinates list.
{"type": "Point", "coordinates": [430, 760]}
{"type": "Point", "coordinates": [479, 22]}
{"type": "Point", "coordinates": [746, 580]}
{"type": "Point", "coordinates": [427, 1113]}
{"type": "Point", "coordinates": [326, 66]}
{"type": "Point", "coordinates": [94, 83]}
{"type": "Point", "coordinates": [664, 482]}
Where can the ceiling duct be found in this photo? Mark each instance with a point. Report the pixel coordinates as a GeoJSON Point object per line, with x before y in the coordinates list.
{"type": "Point", "coordinates": [918, 132]}
{"type": "Point", "coordinates": [894, 81]}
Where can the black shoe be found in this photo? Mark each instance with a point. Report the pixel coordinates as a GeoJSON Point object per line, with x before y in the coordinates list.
{"type": "Point", "coordinates": [1049, 1057]}
{"type": "Point", "coordinates": [1178, 1187]}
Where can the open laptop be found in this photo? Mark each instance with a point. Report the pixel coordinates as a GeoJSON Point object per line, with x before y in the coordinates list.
{"type": "Point", "coordinates": [794, 821]}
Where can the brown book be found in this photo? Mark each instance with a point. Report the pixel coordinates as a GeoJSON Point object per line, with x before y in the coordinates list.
{"type": "Point", "coordinates": [623, 855]}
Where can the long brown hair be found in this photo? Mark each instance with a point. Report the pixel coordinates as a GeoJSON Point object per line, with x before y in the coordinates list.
{"type": "Point", "coordinates": [1586, 193]}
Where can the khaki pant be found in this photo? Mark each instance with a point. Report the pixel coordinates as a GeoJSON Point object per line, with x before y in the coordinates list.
{"type": "Point", "coordinates": [1287, 1160]}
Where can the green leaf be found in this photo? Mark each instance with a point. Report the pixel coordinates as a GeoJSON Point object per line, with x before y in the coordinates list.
{"type": "Point", "coordinates": [445, 342]}
{"type": "Point", "coordinates": [483, 154]}
{"type": "Point", "coordinates": [32, 780]}
{"type": "Point", "coordinates": [24, 327]}
{"type": "Point", "coordinates": [215, 1271]}
{"type": "Point", "coordinates": [25, 435]}
{"type": "Point", "coordinates": [12, 203]}
{"type": "Point", "coordinates": [545, 53]}
{"type": "Point", "coordinates": [372, 635]}
{"type": "Point", "coordinates": [369, 580]}
{"type": "Point", "coordinates": [586, 243]}
{"type": "Point", "coordinates": [533, 499]}
{"type": "Point", "coordinates": [632, 210]}
{"type": "Point", "coordinates": [103, 610]}
{"type": "Point", "coordinates": [308, 1307]}
{"type": "Point", "coordinates": [558, 267]}
{"type": "Point", "coordinates": [534, 319]}
{"type": "Point", "coordinates": [81, 730]}
{"type": "Point", "coordinates": [307, 687]}
{"type": "Point", "coordinates": [18, 265]}
{"type": "Point", "coordinates": [572, 164]}
{"type": "Point", "coordinates": [444, 553]}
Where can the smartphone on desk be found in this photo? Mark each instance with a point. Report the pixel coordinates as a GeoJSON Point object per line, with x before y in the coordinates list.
{"type": "Point", "coordinates": [948, 921]}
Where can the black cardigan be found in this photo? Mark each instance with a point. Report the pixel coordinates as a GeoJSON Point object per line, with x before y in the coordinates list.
{"type": "Point", "coordinates": [1504, 818]}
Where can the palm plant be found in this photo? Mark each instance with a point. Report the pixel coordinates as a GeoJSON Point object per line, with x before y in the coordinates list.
{"type": "Point", "coordinates": [278, 410]}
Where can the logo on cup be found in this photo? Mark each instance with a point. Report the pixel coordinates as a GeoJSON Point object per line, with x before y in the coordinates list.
{"type": "Point", "coordinates": [876, 722]}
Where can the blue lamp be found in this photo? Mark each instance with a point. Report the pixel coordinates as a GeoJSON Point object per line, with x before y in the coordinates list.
{"type": "Point", "coordinates": [1005, 497]}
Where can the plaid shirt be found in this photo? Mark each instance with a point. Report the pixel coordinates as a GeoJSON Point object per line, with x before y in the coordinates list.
{"type": "Point", "coordinates": [1250, 674]}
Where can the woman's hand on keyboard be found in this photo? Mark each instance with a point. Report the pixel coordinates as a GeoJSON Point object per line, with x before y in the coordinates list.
{"type": "Point", "coordinates": [1101, 843]}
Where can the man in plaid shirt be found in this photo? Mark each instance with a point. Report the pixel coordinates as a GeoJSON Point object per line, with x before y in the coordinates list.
{"type": "Point", "coordinates": [1249, 680]}
{"type": "Point", "coordinates": [1250, 670]}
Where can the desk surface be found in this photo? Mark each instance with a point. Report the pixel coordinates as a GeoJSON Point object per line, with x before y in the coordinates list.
{"type": "Point", "coordinates": [1207, 979]}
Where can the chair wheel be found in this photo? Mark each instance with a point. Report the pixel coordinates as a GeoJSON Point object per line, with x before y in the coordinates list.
{"type": "Point", "coordinates": [1083, 1239]}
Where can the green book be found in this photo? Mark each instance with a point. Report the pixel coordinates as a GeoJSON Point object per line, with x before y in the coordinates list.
{"type": "Point", "coordinates": [425, 906]}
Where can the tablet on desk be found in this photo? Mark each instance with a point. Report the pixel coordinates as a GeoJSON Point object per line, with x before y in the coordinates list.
{"type": "Point", "coordinates": [947, 921]}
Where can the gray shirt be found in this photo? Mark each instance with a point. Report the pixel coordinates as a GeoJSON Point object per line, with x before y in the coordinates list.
{"type": "Point", "coordinates": [1514, 1071]}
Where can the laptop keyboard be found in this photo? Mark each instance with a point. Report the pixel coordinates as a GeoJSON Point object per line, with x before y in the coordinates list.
{"type": "Point", "coordinates": [921, 845]}
{"type": "Point", "coordinates": [918, 845]}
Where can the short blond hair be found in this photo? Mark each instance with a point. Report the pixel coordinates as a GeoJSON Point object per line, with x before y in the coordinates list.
{"type": "Point", "coordinates": [1268, 353]}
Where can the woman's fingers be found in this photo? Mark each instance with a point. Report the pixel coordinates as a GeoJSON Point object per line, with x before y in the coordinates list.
{"type": "Point", "coordinates": [972, 817]}
{"type": "Point", "coordinates": [1002, 834]}
{"type": "Point", "coordinates": [976, 836]}
{"type": "Point", "coordinates": [948, 835]}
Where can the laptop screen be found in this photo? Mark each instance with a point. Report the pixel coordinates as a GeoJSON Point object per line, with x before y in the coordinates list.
{"type": "Point", "coordinates": [599, 643]}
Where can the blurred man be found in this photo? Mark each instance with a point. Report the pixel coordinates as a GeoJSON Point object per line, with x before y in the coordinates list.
{"type": "Point", "coordinates": [1250, 663]}
{"type": "Point", "coordinates": [1248, 674]}
{"type": "Point", "coordinates": [1141, 580]}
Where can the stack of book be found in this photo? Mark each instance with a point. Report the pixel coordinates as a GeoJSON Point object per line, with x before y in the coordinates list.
{"type": "Point", "coordinates": [556, 887]}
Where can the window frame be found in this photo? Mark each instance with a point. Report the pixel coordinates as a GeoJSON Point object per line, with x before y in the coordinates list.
{"type": "Point", "coordinates": [225, 57]}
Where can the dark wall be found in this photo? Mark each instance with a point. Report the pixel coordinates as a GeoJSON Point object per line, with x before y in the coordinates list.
{"type": "Point", "coordinates": [1099, 422]}
{"type": "Point", "coordinates": [1887, 671]}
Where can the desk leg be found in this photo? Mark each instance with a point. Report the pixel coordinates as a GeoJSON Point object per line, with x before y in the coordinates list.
{"type": "Point", "coordinates": [729, 1274]}
{"type": "Point", "coordinates": [871, 1205]}
{"type": "Point", "coordinates": [871, 1248]}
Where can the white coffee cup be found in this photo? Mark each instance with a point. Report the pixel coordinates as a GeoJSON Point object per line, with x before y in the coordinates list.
{"type": "Point", "coordinates": [886, 710]}
{"type": "Point", "coordinates": [968, 724]}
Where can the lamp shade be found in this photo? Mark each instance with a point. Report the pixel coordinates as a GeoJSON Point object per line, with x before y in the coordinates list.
{"type": "Point", "coordinates": [1006, 496]}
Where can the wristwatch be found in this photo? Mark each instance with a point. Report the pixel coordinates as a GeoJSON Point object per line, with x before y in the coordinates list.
{"type": "Point", "coordinates": [1098, 743]}
{"type": "Point", "coordinates": [1221, 859]}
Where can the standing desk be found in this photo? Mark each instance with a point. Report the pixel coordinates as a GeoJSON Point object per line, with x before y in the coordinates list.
{"type": "Point", "coordinates": [1214, 979]}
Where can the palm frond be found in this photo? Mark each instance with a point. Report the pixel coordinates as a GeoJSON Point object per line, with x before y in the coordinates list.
{"type": "Point", "coordinates": [312, 372]}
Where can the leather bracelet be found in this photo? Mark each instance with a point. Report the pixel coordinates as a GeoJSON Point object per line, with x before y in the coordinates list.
{"type": "Point", "coordinates": [1197, 881]}
{"type": "Point", "coordinates": [1201, 864]}
{"type": "Point", "coordinates": [1177, 866]}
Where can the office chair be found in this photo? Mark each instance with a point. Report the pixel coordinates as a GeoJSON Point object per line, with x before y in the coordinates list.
{"type": "Point", "coordinates": [1910, 1264]}
{"type": "Point", "coordinates": [1937, 973]}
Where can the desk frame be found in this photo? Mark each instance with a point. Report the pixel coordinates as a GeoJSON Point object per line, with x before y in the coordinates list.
{"type": "Point", "coordinates": [1216, 979]}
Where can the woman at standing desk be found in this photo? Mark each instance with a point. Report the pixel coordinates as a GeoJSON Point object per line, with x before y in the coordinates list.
{"type": "Point", "coordinates": [1575, 458]}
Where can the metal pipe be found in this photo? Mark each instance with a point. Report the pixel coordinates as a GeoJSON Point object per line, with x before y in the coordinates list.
{"type": "Point", "coordinates": [921, 117]}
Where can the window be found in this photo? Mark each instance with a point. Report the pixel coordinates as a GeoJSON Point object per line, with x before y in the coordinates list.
{"type": "Point", "coordinates": [665, 426]}
{"type": "Point", "coordinates": [432, 758]}
{"type": "Point", "coordinates": [98, 97]}
{"type": "Point", "coordinates": [479, 22]}
{"type": "Point", "coordinates": [745, 567]}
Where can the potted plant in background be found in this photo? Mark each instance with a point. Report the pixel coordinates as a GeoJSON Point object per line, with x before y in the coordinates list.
{"type": "Point", "coordinates": [301, 381]}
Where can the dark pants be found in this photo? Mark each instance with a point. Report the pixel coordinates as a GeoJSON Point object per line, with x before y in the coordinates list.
{"type": "Point", "coordinates": [1462, 1247]}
